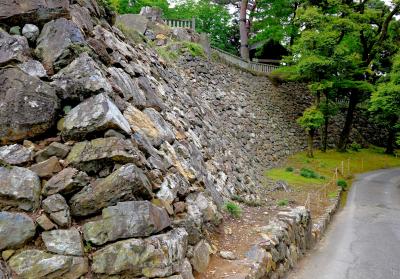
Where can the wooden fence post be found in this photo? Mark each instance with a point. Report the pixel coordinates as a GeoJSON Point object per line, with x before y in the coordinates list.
{"type": "Point", "coordinates": [194, 24]}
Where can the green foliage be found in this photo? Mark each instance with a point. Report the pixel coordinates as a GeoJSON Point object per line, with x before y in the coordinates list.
{"type": "Point", "coordinates": [233, 209]}
{"type": "Point", "coordinates": [172, 51]}
{"type": "Point", "coordinates": [134, 6]}
{"type": "Point", "coordinates": [289, 169]}
{"type": "Point", "coordinates": [308, 173]}
{"type": "Point", "coordinates": [312, 119]}
{"type": "Point", "coordinates": [355, 146]}
{"type": "Point", "coordinates": [283, 202]}
{"type": "Point", "coordinates": [341, 183]}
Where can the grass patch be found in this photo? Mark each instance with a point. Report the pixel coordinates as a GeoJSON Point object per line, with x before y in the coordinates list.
{"type": "Point", "coordinates": [233, 209]}
{"type": "Point", "coordinates": [172, 51]}
{"type": "Point", "coordinates": [283, 202]}
{"type": "Point", "coordinates": [323, 165]}
{"type": "Point", "coordinates": [289, 169]}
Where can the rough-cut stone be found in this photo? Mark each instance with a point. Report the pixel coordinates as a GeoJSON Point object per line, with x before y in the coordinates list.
{"type": "Point", "coordinates": [58, 209]}
{"type": "Point", "coordinates": [81, 79]}
{"type": "Point", "coordinates": [127, 86]}
{"type": "Point", "coordinates": [96, 114]}
{"type": "Point", "coordinates": [125, 220]}
{"type": "Point", "coordinates": [15, 229]}
{"type": "Point", "coordinates": [150, 123]}
{"type": "Point", "coordinates": [33, 68]}
{"type": "Point", "coordinates": [64, 242]}
{"type": "Point", "coordinates": [27, 105]}
{"type": "Point", "coordinates": [31, 32]}
{"type": "Point", "coordinates": [19, 187]}
{"type": "Point", "coordinates": [45, 223]}
{"type": "Point", "coordinates": [12, 48]}
{"type": "Point", "coordinates": [181, 34]}
{"type": "Point", "coordinates": [173, 185]}
{"type": "Point", "coordinates": [31, 264]}
{"type": "Point", "coordinates": [152, 13]}
{"type": "Point", "coordinates": [34, 11]}
{"type": "Point", "coordinates": [136, 22]}
{"type": "Point", "coordinates": [47, 168]}
{"type": "Point", "coordinates": [15, 154]}
{"type": "Point", "coordinates": [56, 42]}
{"type": "Point", "coordinates": [228, 255]}
{"type": "Point", "coordinates": [201, 256]}
{"type": "Point", "coordinates": [66, 182]}
{"type": "Point", "coordinates": [123, 184]}
{"type": "Point", "coordinates": [54, 149]}
{"type": "Point", "coordinates": [92, 156]}
{"type": "Point", "coordinates": [155, 256]}
{"type": "Point", "coordinates": [81, 16]}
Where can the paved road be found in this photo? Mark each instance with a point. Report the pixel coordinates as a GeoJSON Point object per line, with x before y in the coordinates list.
{"type": "Point", "coordinates": [363, 241]}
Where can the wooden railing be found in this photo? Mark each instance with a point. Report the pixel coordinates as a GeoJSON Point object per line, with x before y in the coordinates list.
{"type": "Point", "coordinates": [243, 64]}
{"type": "Point", "coordinates": [183, 23]}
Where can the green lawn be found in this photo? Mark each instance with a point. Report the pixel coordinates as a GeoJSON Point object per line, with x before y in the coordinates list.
{"type": "Point", "coordinates": [324, 164]}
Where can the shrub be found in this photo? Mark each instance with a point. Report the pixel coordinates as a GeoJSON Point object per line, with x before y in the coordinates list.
{"type": "Point", "coordinates": [342, 183]}
{"type": "Point", "coordinates": [322, 177]}
{"type": "Point", "coordinates": [308, 173]}
{"type": "Point", "coordinates": [355, 146]}
{"type": "Point", "coordinates": [233, 209]}
{"type": "Point", "coordinates": [290, 169]}
{"type": "Point", "coordinates": [283, 202]}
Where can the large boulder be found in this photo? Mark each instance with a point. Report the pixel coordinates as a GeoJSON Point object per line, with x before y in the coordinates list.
{"type": "Point", "coordinates": [96, 114]}
{"type": "Point", "coordinates": [132, 21]}
{"type": "Point", "coordinates": [56, 43]}
{"type": "Point", "coordinates": [19, 187]}
{"type": "Point", "coordinates": [15, 154]}
{"type": "Point", "coordinates": [201, 256]}
{"type": "Point", "coordinates": [124, 184]}
{"type": "Point", "coordinates": [156, 256]}
{"type": "Point", "coordinates": [66, 182]}
{"type": "Point", "coordinates": [150, 123]}
{"type": "Point", "coordinates": [30, 264]}
{"type": "Point", "coordinates": [63, 242]}
{"type": "Point", "coordinates": [36, 11]}
{"type": "Point", "coordinates": [12, 48]}
{"type": "Point", "coordinates": [92, 156]}
{"type": "Point", "coordinates": [81, 79]}
{"type": "Point", "coordinates": [15, 229]}
{"type": "Point", "coordinates": [125, 220]}
{"type": "Point", "coordinates": [28, 105]}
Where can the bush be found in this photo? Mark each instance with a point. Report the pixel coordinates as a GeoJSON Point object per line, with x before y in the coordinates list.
{"type": "Point", "coordinates": [355, 146]}
{"type": "Point", "coordinates": [233, 209]}
{"type": "Point", "coordinates": [322, 177]}
{"type": "Point", "coordinates": [308, 173]}
{"type": "Point", "coordinates": [342, 183]}
{"type": "Point", "coordinates": [290, 169]}
{"type": "Point", "coordinates": [283, 202]}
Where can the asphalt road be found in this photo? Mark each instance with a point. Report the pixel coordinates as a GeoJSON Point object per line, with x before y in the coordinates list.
{"type": "Point", "coordinates": [363, 241]}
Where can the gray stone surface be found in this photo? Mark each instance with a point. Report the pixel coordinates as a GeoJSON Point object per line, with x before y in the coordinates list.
{"type": "Point", "coordinates": [30, 264]}
{"type": "Point", "coordinates": [12, 48]}
{"type": "Point", "coordinates": [126, 183]}
{"type": "Point", "coordinates": [64, 242]}
{"type": "Point", "coordinates": [96, 114]}
{"type": "Point", "coordinates": [56, 42]}
{"type": "Point", "coordinates": [27, 105]}
{"type": "Point", "coordinates": [169, 249]}
{"type": "Point", "coordinates": [34, 11]}
{"type": "Point", "coordinates": [15, 229]}
{"type": "Point", "coordinates": [54, 149]}
{"type": "Point", "coordinates": [81, 79]}
{"type": "Point", "coordinates": [20, 188]}
{"type": "Point", "coordinates": [66, 182]}
{"type": "Point", "coordinates": [136, 22]}
{"type": "Point", "coordinates": [126, 220]}
{"type": "Point", "coordinates": [31, 32]}
{"type": "Point", "coordinates": [58, 210]}
{"type": "Point", "coordinates": [201, 256]}
{"type": "Point", "coordinates": [92, 156]}
{"type": "Point", "coordinates": [33, 68]}
{"type": "Point", "coordinates": [15, 154]}
{"type": "Point", "coordinates": [47, 168]}
{"type": "Point", "coordinates": [81, 16]}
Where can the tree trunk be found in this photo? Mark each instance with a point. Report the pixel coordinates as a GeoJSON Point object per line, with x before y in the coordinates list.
{"type": "Point", "coordinates": [344, 135]}
{"type": "Point", "coordinates": [325, 134]}
{"type": "Point", "coordinates": [310, 144]}
{"type": "Point", "coordinates": [244, 34]}
{"type": "Point", "coordinates": [391, 138]}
